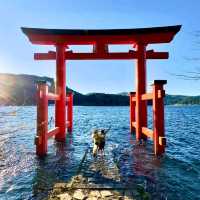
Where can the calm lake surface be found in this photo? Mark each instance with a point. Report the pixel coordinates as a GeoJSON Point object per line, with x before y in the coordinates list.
{"type": "Point", "coordinates": [175, 176]}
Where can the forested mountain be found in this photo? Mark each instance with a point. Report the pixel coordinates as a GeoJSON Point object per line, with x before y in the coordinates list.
{"type": "Point", "coordinates": [21, 89]}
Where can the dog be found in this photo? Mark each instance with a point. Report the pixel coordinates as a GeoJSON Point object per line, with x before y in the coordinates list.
{"type": "Point", "coordinates": [99, 137]}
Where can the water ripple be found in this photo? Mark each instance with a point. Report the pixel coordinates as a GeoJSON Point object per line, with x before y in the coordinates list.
{"type": "Point", "coordinates": [174, 176]}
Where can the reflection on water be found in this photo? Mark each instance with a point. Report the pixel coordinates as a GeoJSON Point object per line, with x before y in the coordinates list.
{"type": "Point", "coordinates": [175, 176]}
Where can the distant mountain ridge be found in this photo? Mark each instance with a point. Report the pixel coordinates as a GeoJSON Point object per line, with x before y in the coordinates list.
{"type": "Point", "coordinates": [21, 89]}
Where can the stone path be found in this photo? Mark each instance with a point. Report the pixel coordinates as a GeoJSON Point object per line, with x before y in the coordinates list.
{"type": "Point", "coordinates": [97, 179]}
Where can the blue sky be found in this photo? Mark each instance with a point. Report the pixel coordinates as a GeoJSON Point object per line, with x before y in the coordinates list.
{"type": "Point", "coordinates": [16, 52]}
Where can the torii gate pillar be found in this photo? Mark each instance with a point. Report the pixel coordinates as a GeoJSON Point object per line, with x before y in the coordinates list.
{"type": "Point", "coordinates": [60, 105]}
{"type": "Point", "coordinates": [141, 106]}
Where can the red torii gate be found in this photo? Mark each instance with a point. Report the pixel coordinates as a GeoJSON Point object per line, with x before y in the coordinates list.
{"type": "Point", "coordinates": [100, 39]}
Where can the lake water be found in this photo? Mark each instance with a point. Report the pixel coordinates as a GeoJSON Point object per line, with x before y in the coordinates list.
{"type": "Point", "coordinates": [174, 176]}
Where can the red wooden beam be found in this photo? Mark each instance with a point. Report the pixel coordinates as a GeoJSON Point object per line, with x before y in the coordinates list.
{"type": "Point", "coordinates": [141, 106]}
{"type": "Point", "coordinates": [134, 124]}
{"type": "Point", "coordinates": [60, 105]}
{"type": "Point", "coordinates": [42, 119]}
{"type": "Point", "coordinates": [112, 36]}
{"type": "Point", "coordinates": [70, 111]}
{"type": "Point", "coordinates": [162, 141]}
{"type": "Point", "coordinates": [84, 40]}
{"type": "Point", "coordinates": [151, 54]}
{"type": "Point", "coordinates": [147, 96]}
{"type": "Point", "coordinates": [158, 118]}
{"type": "Point", "coordinates": [132, 111]}
{"type": "Point", "coordinates": [52, 96]}
{"type": "Point", "coordinates": [53, 132]}
{"type": "Point", "coordinates": [95, 56]}
{"type": "Point", "coordinates": [133, 98]}
{"type": "Point", "coordinates": [147, 132]}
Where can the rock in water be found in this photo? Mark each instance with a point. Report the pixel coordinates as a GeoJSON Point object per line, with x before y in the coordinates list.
{"type": "Point", "coordinates": [65, 196]}
{"type": "Point", "coordinates": [106, 193]}
{"type": "Point", "coordinates": [92, 198]}
{"type": "Point", "coordinates": [94, 193]}
{"type": "Point", "coordinates": [78, 194]}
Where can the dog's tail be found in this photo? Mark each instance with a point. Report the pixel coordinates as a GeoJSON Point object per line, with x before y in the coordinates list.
{"type": "Point", "coordinates": [106, 131]}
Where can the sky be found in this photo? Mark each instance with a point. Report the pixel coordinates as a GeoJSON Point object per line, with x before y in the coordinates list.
{"type": "Point", "coordinates": [16, 52]}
